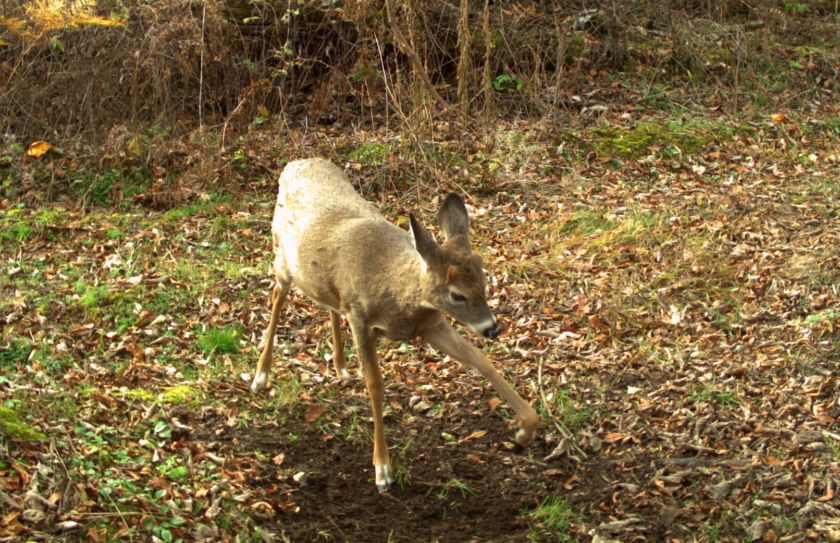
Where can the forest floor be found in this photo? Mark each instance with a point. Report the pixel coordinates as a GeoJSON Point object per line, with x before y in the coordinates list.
{"type": "Point", "coordinates": [670, 297]}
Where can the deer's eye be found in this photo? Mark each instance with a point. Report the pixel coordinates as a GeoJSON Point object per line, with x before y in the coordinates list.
{"type": "Point", "coordinates": [457, 297]}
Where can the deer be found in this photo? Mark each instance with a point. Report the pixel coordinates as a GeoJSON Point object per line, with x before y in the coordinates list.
{"type": "Point", "coordinates": [336, 248]}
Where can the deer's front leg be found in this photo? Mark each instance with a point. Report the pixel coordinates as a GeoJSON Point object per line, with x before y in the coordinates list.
{"type": "Point", "coordinates": [366, 346]}
{"type": "Point", "coordinates": [278, 297]}
{"type": "Point", "coordinates": [445, 339]}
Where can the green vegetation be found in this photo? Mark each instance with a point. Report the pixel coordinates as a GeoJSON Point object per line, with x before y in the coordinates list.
{"type": "Point", "coordinates": [369, 154]}
{"type": "Point", "coordinates": [220, 340]}
{"type": "Point", "coordinates": [558, 404]}
{"type": "Point", "coordinates": [724, 398]}
{"type": "Point", "coordinates": [204, 204]}
{"type": "Point", "coordinates": [15, 353]}
{"type": "Point", "coordinates": [636, 142]}
{"type": "Point", "coordinates": [445, 489]}
{"type": "Point", "coordinates": [174, 395]}
{"type": "Point", "coordinates": [551, 519]}
{"type": "Point", "coordinates": [12, 427]}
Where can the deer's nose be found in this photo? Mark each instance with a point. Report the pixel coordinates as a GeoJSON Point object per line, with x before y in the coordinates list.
{"type": "Point", "coordinates": [493, 331]}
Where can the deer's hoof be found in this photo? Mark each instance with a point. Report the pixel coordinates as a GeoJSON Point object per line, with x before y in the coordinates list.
{"type": "Point", "coordinates": [525, 434]}
{"type": "Point", "coordinates": [384, 478]}
{"type": "Point", "coordinates": [523, 437]}
{"type": "Point", "coordinates": [258, 383]}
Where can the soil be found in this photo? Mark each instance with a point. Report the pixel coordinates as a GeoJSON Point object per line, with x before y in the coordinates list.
{"type": "Point", "coordinates": [478, 490]}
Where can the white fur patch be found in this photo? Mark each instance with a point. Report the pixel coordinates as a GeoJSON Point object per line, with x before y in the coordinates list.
{"type": "Point", "coordinates": [258, 383]}
{"type": "Point", "coordinates": [384, 477]}
{"type": "Point", "coordinates": [480, 327]}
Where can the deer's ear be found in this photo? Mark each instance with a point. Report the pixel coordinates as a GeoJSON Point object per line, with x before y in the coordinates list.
{"type": "Point", "coordinates": [453, 218]}
{"type": "Point", "coordinates": [423, 241]}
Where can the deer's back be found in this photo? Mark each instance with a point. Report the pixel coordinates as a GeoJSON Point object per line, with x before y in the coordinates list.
{"type": "Point", "coordinates": [326, 236]}
{"type": "Point", "coordinates": [314, 187]}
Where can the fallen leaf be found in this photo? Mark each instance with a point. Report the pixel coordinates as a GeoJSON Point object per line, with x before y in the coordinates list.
{"type": "Point", "coordinates": [313, 413]}
{"type": "Point", "coordinates": [828, 496]}
{"type": "Point", "coordinates": [824, 417]}
{"type": "Point", "coordinates": [38, 148]}
{"type": "Point", "coordinates": [612, 437]}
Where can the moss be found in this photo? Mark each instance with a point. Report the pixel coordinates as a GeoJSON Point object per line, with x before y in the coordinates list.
{"type": "Point", "coordinates": [176, 395]}
{"type": "Point", "coordinates": [638, 141]}
{"type": "Point", "coordinates": [140, 394]}
{"type": "Point", "coordinates": [13, 427]}
{"type": "Point", "coordinates": [179, 394]}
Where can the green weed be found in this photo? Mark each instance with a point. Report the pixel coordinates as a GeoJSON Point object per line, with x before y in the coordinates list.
{"type": "Point", "coordinates": [15, 353]}
{"type": "Point", "coordinates": [285, 394]}
{"type": "Point", "coordinates": [822, 316]}
{"type": "Point", "coordinates": [370, 153]}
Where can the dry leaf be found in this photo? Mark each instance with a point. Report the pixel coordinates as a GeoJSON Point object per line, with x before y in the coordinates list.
{"type": "Point", "coordinates": [313, 413]}
{"type": "Point", "coordinates": [824, 417]}
{"type": "Point", "coordinates": [38, 148]}
{"type": "Point", "coordinates": [828, 496]}
{"type": "Point", "coordinates": [612, 437]}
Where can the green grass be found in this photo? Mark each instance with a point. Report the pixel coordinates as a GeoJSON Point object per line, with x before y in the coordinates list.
{"type": "Point", "coordinates": [586, 222]}
{"type": "Point", "coordinates": [100, 187]}
{"type": "Point", "coordinates": [445, 489]}
{"type": "Point", "coordinates": [284, 396]}
{"type": "Point", "coordinates": [16, 226]}
{"type": "Point", "coordinates": [822, 316]}
{"type": "Point", "coordinates": [203, 205]}
{"type": "Point", "coordinates": [558, 404]}
{"type": "Point", "coordinates": [551, 520]}
{"type": "Point", "coordinates": [220, 340]}
{"type": "Point", "coordinates": [173, 395]}
{"type": "Point", "coordinates": [709, 394]}
{"type": "Point", "coordinates": [91, 296]}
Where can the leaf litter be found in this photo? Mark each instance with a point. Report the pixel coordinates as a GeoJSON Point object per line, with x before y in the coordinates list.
{"type": "Point", "coordinates": [673, 317]}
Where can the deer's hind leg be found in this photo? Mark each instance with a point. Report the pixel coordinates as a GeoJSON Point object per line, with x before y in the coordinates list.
{"type": "Point", "coordinates": [339, 358]}
{"type": "Point", "coordinates": [278, 299]}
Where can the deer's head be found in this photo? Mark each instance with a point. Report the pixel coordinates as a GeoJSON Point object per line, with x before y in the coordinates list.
{"type": "Point", "coordinates": [454, 275]}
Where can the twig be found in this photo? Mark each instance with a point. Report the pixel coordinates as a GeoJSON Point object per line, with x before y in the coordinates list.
{"type": "Point", "coordinates": [201, 70]}
{"type": "Point", "coordinates": [568, 437]}
{"type": "Point", "coordinates": [464, 61]}
{"type": "Point", "coordinates": [399, 37]}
